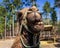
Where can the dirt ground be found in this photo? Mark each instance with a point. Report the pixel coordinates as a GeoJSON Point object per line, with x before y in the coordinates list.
{"type": "Point", "coordinates": [49, 44]}
{"type": "Point", "coordinates": [6, 43]}
{"type": "Point", "coordinates": [43, 44]}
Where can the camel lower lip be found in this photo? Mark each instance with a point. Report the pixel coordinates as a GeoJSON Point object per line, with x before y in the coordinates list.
{"type": "Point", "coordinates": [37, 27]}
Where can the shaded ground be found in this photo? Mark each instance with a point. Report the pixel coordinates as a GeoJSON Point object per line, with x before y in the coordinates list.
{"type": "Point", "coordinates": [6, 43]}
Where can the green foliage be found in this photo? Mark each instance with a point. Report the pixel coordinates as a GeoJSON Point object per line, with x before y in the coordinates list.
{"type": "Point", "coordinates": [3, 11]}
{"type": "Point", "coordinates": [47, 10]}
{"type": "Point", "coordinates": [57, 3]}
{"type": "Point", "coordinates": [1, 28]}
{"type": "Point", "coordinates": [54, 17]}
{"type": "Point", "coordinates": [8, 9]}
{"type": "Point", "coordinates": [10, 6]}
{"type": "Point", "coordinates": [1, 24]}
{"type": "Point", "coordinates": [17, 2]}
{"type": "Point", "coordinates": [46, 7]}
{"type": "Point", "coordinates": [6, 0]}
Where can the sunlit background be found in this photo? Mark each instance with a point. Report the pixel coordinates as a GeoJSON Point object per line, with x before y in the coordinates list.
{"type": "Point", "coordinates": [41, 3]}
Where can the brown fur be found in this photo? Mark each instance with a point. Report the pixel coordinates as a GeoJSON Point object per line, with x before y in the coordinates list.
{"type": "Point", "coordinates": [17, 43]}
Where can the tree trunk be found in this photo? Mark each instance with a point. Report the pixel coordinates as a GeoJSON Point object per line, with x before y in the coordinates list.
{"type": "Point", "coordinates": [5, 27]}
{"type": "Point", "coordinates": [10, 31]}
{"type": "Point", "coordinates": [13, 24]}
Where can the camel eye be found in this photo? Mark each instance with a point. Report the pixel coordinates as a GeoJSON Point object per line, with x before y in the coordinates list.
{"type": "Point", "coordinates": [30, 9]}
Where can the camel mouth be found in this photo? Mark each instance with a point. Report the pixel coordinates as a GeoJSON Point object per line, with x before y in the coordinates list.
{"type": "Point", "coordinates": [39, 26]}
